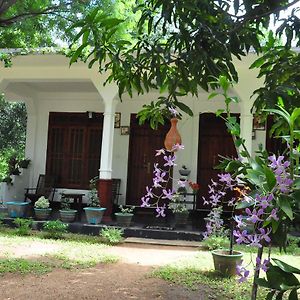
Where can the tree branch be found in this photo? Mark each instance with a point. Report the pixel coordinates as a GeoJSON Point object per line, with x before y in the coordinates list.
{"type": "Point", "coordinates": [259, 16]}
{"type": "Point", "coordinates": [49, 10]}
{"type": "Point", "coordinates": [5, 5]}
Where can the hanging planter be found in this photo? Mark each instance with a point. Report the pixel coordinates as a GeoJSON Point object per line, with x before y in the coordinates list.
{"type": "Point", "coordinates": [173, 137]}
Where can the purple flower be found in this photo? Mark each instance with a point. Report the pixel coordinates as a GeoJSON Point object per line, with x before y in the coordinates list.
{"type": "Point", "coordinates": [242, 237]}
{"type": "Point", "coordinates": [265, 235]}
{"type": "Point", "coordinates": [264, 201]}
{"type": "Point", "coordinates": [242, 273]}
{"type": "Point", "coordinates": [254, 241]}
{"type": "Point", "coordinates": [273, 215]}
{"type": "Point", "coordinates": [168, 194]}
{"type": "Point", "coordinates": [173, 111]}
{"type": "Point", "coordinates": [145, 202]}
{"type": "Point", "coordinates": [254, 215]}
{"type": "Point", "coordinates": [160, 152]}
{"type": "Point", "coordinates": [264, 266]}
{"type": "Point", "coordinates": [149, 192]}
{"type": "Point", "coordinates": [227, 179]}
{"type": "Point", "coordinates": [239, 221]}
{"type": "Point", "coordinates": [177, 147]}
{"type": "Point", "coordinates": [160, 211]}
{"type": "Point", "coordinates": [170, 160]}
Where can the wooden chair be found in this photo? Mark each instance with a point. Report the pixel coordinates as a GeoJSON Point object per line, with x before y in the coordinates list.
{"type": "Point", "coordinates": [45, 187]}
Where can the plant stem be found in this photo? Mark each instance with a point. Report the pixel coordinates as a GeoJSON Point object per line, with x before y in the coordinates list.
{"type": "Point", "coordinates": [231, 238]}
{"type": "Point", "coordinates": [256, 275]}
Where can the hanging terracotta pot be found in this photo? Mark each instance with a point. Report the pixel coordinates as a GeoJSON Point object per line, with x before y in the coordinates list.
{"type": "Point", "coordinates": [173, 137]}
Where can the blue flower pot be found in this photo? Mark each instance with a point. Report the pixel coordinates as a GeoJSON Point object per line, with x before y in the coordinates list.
{"type": "Point", "coordinates": [94, 214]}
{"type": "Point", "coordinates": [17, 209]}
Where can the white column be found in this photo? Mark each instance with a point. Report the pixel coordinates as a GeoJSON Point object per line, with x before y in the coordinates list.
{"type": "Point", "coordinates": [246, 124]}
{"type": "Point", "coordinates": [108, 94]}
{"type": "Point", "coordinates": [105, 171]}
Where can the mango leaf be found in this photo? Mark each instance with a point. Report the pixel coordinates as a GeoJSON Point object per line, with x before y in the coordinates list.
{"type": "Point", "coordinates": [270, 295]}
{"type": "Point", "coordinates": [184, 108]}
{"type": "Point", "coordinates": [285, 267]}
{"type": "Point", "coordinates": [284, 203]}
{"type": "Point", "coordinates": [219, 112]}
{"type": "Point", "coordinates": [262, 282]}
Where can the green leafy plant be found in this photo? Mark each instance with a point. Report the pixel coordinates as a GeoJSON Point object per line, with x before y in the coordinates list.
{"type": "Point", "coordinates": [54, 229]}
{"type": "Point", "coordinates": [23, 226]}
{"type": "Point", "coordinates": [65, 202]}
{"type": "Point", "coordinates": [216, 242]}
{"type": "Point", "coordinates": [281, 280]}
{"type": "Point", "coordinates": [126, 210]}
{"type": "Point", "coordinates": [93, 193]}
{"type": "Point", "coordinates": [41, 203]}
{"type": "Point", "coordinates": [177, 205]}
{"type": "Point", "coordinates": [111, 235]}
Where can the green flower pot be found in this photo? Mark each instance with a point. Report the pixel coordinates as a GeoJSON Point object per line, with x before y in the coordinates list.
{"type": "Point", "coordinates": [123, 219]}
{"type": "Point", "coordinates": [42, 213]}
{"type": "Point", "coordinates": [67, 216]}
{"type": "Point", "coordinates": [226, 263]}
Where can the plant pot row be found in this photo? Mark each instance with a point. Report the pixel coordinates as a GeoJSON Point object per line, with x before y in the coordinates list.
{"type": "Point", "coordinates": [93, 214]}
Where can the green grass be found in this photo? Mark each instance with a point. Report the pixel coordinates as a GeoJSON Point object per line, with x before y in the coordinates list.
{"type": "Point", "coordinates": [76, 252]}
{"type": "Point", "coordinates": [23, 266]}
{"type": "Point", "coordinates": [197, 273]}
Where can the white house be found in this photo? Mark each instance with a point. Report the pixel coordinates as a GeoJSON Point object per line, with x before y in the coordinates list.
{"type": "Point", "coordinates": [71, 134]}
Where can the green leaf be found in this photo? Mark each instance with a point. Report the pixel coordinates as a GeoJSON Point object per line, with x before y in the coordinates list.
{"type": "Point", "coordinates": [293, 295]}
{"type": "Point", "coordinates": [270, 176]}
{"type": "Point", "coordinates": [184, 108]}
{"type": "Point", "coordinates": [270, 295]}
{"type": "Point", "coordinates": [262, 282]}
{"type": "Point", "coordinates": [219, 112]}
{"type": "Point", "coordinates": [285, 205]}
{"type": "Point", "coordinates": [285, 267]}
{"type": "Point", "coordinates": [212, 95]}
{"type": "Point", "coordinates": [295, 114]}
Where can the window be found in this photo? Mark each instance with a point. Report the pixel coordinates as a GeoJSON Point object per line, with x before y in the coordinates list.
{"type": "Point", "coordinates": [74, 147]}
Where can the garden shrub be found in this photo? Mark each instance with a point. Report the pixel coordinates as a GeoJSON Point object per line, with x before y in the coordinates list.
{"type": "Point", "coordinates": [216, 242]}
{"type": "Point", "coordinates": [111, 235]}
{"type": "Point", "coordinates": [54, 229]}
{"type": "Point", "coordinates": [23, 226]}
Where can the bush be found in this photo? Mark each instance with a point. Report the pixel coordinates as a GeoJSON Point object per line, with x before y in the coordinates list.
{"type": "Point", "coordinates": [216, 242]}
{"type": "Point", "coordinates": [111, 235]}
{"type": "Point", "coordinates": [23, 226]}
{"type": "Point", "coordinates": [54, 229]}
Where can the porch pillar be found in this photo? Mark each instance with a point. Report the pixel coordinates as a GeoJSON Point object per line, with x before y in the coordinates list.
{"type": "Point", "coordinates": [247, 126]}
{"type": "Point", "coordinates": [105, 172]}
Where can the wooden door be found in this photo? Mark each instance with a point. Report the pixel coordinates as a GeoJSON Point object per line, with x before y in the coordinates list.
{"type": "Point", "coordinates": [214, 140]}
{"type": "Point", "coordinates": [143, 142]}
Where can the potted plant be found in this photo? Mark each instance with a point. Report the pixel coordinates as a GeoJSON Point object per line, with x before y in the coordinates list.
{"type": "Point", "coordinates": [66, 214]}
{"type": "Point", "coordinates": [41, 208]}
{"type": "Point", "coordinates": [178, 207]}
{"type": "Point", "coordinates": [124, 217]}
{"type": "Point", "coordinates": [94, 212]}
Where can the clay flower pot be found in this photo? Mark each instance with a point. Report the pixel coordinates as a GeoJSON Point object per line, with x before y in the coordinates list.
{"type": "Point", "coordinates": [173, 137]}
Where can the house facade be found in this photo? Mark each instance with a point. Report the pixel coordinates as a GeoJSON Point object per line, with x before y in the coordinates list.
{"type": "Point", "coordinates": [77, 128]}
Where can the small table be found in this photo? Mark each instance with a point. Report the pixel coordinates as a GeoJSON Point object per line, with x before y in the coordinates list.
{"type": "Point", "coordinates": [77, 200]}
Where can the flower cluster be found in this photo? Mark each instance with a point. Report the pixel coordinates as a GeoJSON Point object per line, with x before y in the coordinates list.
{"type": "Point", "coordinates": [260, 208]}
{"type": "Point", "coordinates": [160, 193]}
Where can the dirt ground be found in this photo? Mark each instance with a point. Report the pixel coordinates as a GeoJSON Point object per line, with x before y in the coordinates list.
{"type": "Point", "coordinates": [127, 279]}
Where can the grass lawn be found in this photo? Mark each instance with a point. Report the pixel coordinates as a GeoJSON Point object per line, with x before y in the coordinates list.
{"type": "Point", "coordinates": [199, 271]}
{"type": "Point", "coordinates": [34, 254]}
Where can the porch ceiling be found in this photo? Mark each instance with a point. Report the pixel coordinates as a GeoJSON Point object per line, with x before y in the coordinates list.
{"type": "Point", "coordinates": [54, 86]}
